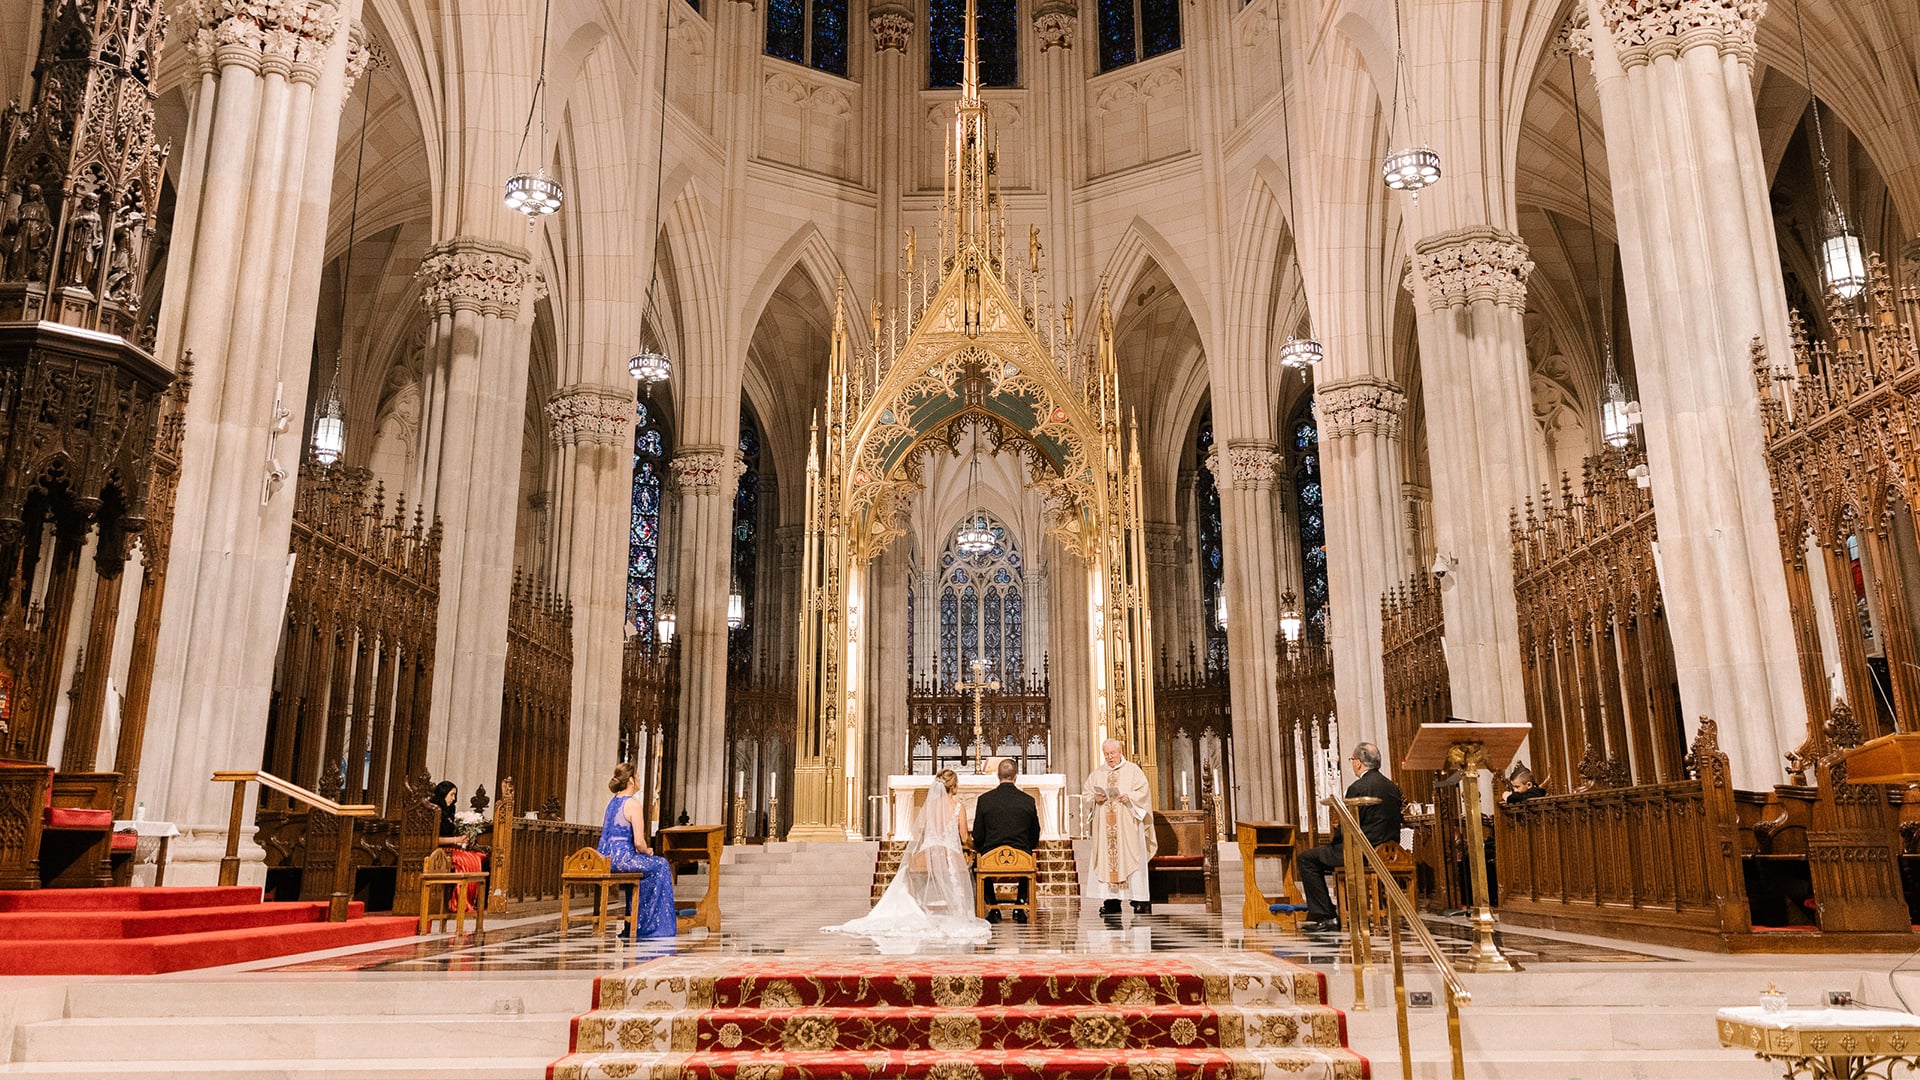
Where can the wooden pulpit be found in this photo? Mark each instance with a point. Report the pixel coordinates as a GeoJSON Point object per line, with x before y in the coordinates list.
{"type": "Point", "coordinates": [1268, 840]}
{"type": "Point", "coordinates": [1890, 759]}
{"type": "Point", "coordinates": [1471, 748]}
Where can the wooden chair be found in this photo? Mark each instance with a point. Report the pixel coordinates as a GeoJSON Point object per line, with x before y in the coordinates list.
{"type": "Point", "coordinates": [1177, 872]}
{"type": "Point", "coordinates": [436, 872]}
{"type": "Point", "coordinates": [999, 869]}
{"type": "Point", "coordinates": [588, 869]}
{"type": "Point", "coordinates": [1405, 872]}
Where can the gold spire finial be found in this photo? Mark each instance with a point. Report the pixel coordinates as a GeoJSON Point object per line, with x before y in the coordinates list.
{"type": "Point", "coordinates": [970, 64]}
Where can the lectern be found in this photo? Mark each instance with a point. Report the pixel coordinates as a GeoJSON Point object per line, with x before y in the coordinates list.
{"type": "Point", "coordinates": [1890, 759]}
{"type": "Point", "coordinates": [1471, 748]}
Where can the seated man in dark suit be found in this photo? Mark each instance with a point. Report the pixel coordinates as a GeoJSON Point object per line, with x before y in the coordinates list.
{"type": "Point", "coordinates": [1006, 817]}
{"type": "Point", "coordinates": [1380, 823]}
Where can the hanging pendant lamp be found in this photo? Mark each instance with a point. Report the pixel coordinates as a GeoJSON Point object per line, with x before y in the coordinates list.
{"type": "Point", "coordinates": [535, 194]}
{"type": "Point", "coordinates": [650, 366]}
{"type": "Point", "coordinates": [330, 420]}
{"type": "Point", "coordinates": [1412, 167]}
{"type": "Point", "coordinates": [1299, 353]}
{"type": "Point", "coordinates": [975, 537]}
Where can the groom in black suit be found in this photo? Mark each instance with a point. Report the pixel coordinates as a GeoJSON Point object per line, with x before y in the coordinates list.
{"type": "Point", "coordinates": [1006, 817]}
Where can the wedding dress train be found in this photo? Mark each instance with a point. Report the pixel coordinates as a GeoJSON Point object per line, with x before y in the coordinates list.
{"type": "Point", "coordinates": [931, 896]}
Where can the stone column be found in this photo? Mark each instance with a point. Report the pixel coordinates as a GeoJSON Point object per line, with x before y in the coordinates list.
{"type": "Point", "coordinates": [886, 674]}
{"type": "Point", "coordinates": [1360, 422]}
{"type": "Point", "coordinates": [1055, 23]}
{"type": "Point", "coordinates": [782, 632]}
{"type": "Point", "coordinates": [1701, 268]}
{"type": "Point", "coordinates": [478, 295]}
{"type": "Point", "coordinates": [1167, 563]}
{"type": "Point", "coordinates": [1070, 631]}
{"type": "Point", "coordinates": [592, 432]}
{"type": "Point", "coordinates": [705, 477]}
{"type": "Point", "coordinates": [1248, 473]}
{"type": "Point", "coordinates": [256, 176]}
{"type": "Point", "coordinates": [1469, 290]}
{"type": "Point", "coordinates": [926, 618]}
{"type": "Point", "coordinates": [891, 24]}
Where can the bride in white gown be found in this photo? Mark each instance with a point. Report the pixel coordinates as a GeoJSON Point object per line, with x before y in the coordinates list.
{"type": "Point", "coordinates": [931, 895]}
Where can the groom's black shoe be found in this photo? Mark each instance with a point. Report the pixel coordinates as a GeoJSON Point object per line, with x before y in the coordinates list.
{"type": "Point", "coordinates": [993, 916]}
{"type": "Point", "coordinates": [1142, 907]}
{"type": "Point", "coordinates": [1020, 917]}
{"type": "Point", "coordinates": [1111, 907]}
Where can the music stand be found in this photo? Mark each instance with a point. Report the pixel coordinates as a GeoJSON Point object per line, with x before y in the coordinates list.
{"type": "Point", "coordinates": [1470, 748]}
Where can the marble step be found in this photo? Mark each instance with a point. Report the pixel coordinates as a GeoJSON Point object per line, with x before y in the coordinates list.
{"type": "Point", "coordinates": [134, 1038]}
{"type": "Point", "coordinates": [434, 1066]}
{"type": "Point", "coordinates": [508, 997]}
{"type": "Point", "coordinates": [1525, 1064]}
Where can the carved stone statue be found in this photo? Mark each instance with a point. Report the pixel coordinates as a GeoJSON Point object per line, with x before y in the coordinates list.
{"type": "Point", "coordinates": [123, 265]}
{"type": "Point", "coordinates": [27, 238]}
{"type": "Point", "coordinates": [84, 241]}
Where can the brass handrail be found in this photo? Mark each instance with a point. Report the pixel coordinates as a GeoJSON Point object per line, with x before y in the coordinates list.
{"type": "Point", "coordinates": [1357, 925]}
{"type": "Point", "coordinates": [337, 904]}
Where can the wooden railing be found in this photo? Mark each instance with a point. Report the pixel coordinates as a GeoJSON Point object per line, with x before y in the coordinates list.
{"type": "Point", "coordinates": [1660, 857]}
{"type": "Point", "coordinates": [539, 847]}
{"type": "Point", "coordinates": [1600, 689]}
{"type": "Point", "coordinates": [343, 814]}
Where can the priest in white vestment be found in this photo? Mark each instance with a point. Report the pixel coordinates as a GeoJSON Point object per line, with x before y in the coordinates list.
{"type": "Point", "coordinates": [1123, 838]}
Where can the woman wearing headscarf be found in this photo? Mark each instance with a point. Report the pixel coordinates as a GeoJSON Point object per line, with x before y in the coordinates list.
{"type": "Point", "coordinates": [623, 841]}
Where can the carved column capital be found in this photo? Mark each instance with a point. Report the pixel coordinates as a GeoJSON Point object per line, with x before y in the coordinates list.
{"type": "Point", "coordinates": [1575, 36]}
{"type": "Point", "coordinates": [697, 470]}
{"type": "Point", "coordinates": [1645, 29]}
{"type": "Point", "coordinates": [1362, 406]}
{"type": "Point", "coordinates": [1055, 23]}
{"type": "Point", "coordinates": [1247, 465]}
{"type": "Point", "coordinates": [290, 37]}
{"type": "Point", "coordinates": [476, 274]}
{"type": "Point", "coordinates": [588, 415]}
{"type": "Point", "coordinates": [892, 29]}
{"type": "Point", "coordinates": [1465, 265]}
{"type": "Point", "coordinates": [363, 55]}
{"type": "Point", "coordinates": [1164, 543]}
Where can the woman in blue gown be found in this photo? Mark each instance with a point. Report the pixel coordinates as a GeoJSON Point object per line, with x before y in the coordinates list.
{"type": "Point", "coordinates": [623, 842]}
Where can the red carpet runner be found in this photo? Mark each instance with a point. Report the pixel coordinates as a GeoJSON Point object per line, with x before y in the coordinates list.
{"type": "Point", "coordinates": [148, 931]}
{"type": "Point", "coordinates": [1230, 1016]}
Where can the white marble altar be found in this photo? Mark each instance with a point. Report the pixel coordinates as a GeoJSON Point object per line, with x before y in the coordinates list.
{"type": "Point", "coordinates": [908, 793]}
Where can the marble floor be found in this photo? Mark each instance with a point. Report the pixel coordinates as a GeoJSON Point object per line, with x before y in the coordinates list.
{"type": "Point", "coordinates": [534, 943]}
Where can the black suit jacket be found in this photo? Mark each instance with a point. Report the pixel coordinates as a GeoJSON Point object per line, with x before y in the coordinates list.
{"type": "Point", "coordinates": [1380, 823]}
{"type": "Point", "coordinates": [1005, 817]}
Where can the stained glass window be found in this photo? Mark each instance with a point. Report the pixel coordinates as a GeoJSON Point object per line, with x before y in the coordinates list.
{"type": "Point", "coordinates": [1133, 30]}
{"type": "Point", "coordinates": [746, 522]}
{"type": "Point", "coordinates": [809, 32]}
{"type": "Point", "coordinates": [1212, 554]}
{"type": "Point", "coordinates": [981, 608]}
{"type": "Point", "coordinates": [643, 531]}
{"type": "Point", "coordinates": [1313, 522]}
{"type": "Point", "coordinates": [997, 23]}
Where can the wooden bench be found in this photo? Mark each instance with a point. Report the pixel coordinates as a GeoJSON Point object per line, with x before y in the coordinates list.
{"type": "Point", "coordinates": [999, 869]}
{"type": "Point", "coordinates": [24, 789]}
{"type": "Point", "coordinates": [76, 834]}
{"type": "Point", "coordinates": [437, 872]}
{"type": "Point", "coordinates": [588, 869]}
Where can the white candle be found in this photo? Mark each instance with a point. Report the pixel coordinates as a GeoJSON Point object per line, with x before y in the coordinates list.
{"type": "Point", "coordinates": [773, 784]}
{"type": "Point", "coordinates": [1186, 783]}
{"type": "Point", "coordinates": [740, 784]}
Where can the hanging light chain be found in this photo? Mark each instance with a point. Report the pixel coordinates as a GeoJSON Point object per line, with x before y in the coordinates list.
{"type": "Point", "coordinates": [650, 365]}
{"type": "Point", "coordinates": [1300, 353]}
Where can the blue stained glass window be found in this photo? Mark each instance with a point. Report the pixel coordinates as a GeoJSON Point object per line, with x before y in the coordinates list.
{"type": "Point", "coordinates": [980, 609]}
{"type": "Point", "coordinates": [643, 530]}
{"type": "Point", "coordinates": [949, 635]}
{"type": "Point", "coordinates": [1313, 523]}
{"type": "Point", "coordinates": [1133, 30]}
{"type": "Point", "coordinates": [998, 25]}
{"type": "Point", "coordinates": [1212, 552]}
{"type": "Point", "coordinates": [786, 30]}
{"type": "Point", "coordinates": [830, 36]}
{"type": "Point", "coordinates": [746, 521]}
{"type": "Point", "coordinates": [809, 32]}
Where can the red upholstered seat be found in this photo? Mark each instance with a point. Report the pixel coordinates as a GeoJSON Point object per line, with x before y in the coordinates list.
{"type": "Point", "coordinates": [1176, 862]}
{"type": "Point", "coordinates": [125, 841]}
{"type": "Point", "coordinates": [73, 817]}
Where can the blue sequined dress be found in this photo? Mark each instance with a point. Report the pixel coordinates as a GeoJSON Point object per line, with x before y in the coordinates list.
{"type": "Point", "coordinates": [656, 919]}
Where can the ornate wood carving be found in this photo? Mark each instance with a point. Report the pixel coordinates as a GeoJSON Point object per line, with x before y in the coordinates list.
{"type": "Point", "coordinates": [1304, 682]}
{"type": "Point", "coordinates": [649, 714]}
{"type": "Point", "coordinates": [1600, 691]}
{"type": "Point", "coordinates": [537, 700]}
{"type": "Point", "coordinates": [1413, 623]}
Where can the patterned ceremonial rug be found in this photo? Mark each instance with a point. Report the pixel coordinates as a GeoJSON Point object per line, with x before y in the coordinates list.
{"type": "Point", "coordinates": [1227, 1016]}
